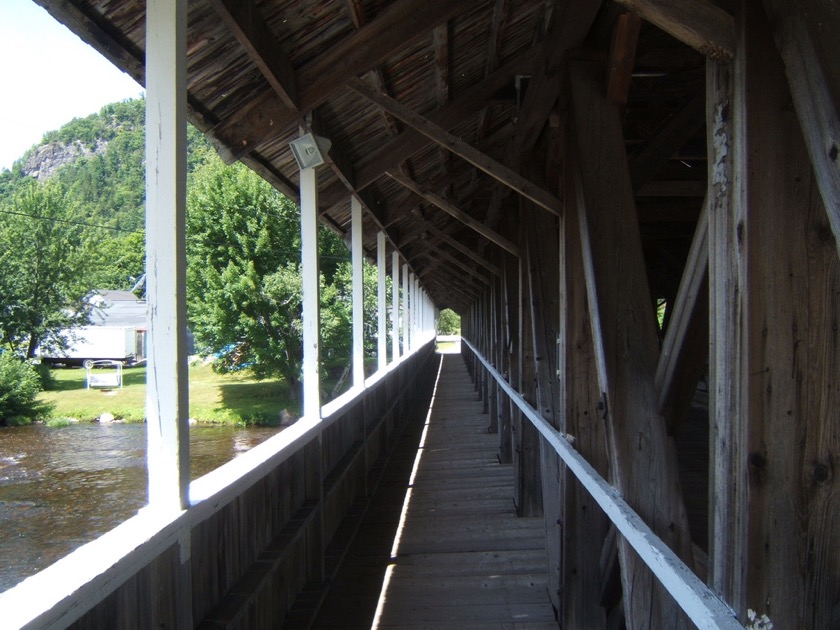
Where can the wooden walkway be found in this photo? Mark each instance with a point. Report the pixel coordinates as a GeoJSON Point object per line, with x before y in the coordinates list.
{"type": "Point", "coordinates": [462, 558]}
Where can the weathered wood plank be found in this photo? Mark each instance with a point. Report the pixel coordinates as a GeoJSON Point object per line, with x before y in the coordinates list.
{"type": "Point", "coordinates": [584, 525]}
{"type": "Point", "coordinates": [792, 353]}
{"type": "Point", "coordinates": [700, 24]}
{"type": "Point", "coordinates": [249, 28]}
{"type": "Point", "coordinates": [526, 440]}
{"type": "Point", "coordinates": [568, 24]}
{"type": "Point", "coordinates": [726, 295]}
{"type": "Point", "coordinates": [483, 162]}
{"type": "Point", "coordinates": [809, 73]}
{"type": "Point", "coordinates": [457, 213]}
{"type": "Point", "coordinates": [642, 460]}
{"type": "Point", "coordinates": [622, 57]}
{"type": "Point", "coordinates": [400, 24]}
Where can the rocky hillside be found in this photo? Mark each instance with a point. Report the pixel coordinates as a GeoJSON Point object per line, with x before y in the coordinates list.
{"type": "Point", "coordinates": [99, 162]}
{"type": "Point", "coordinates": [44, 160]}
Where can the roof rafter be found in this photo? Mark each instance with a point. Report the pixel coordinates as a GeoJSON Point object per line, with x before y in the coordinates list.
{"type": "Point", "coordinates": [567, 27]}
{"type": "Point", "coordinates": [498, 171]}
{"type": "Point", "coordinates": [248, 26]}
{"type": "Point", "coordinates": [466, 251]}
{"type": "Point", "coordinates": [393, 153]}
{"type": "Point", "coordinates": [400, 24]}
{"type": "Point", "coordinates": [700, 24]}
{"type": "Point", "coordinates": [457, 213]}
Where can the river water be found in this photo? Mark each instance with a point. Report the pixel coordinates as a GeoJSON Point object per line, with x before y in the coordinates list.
{"type": "Point", "coordinates": [62, 487]}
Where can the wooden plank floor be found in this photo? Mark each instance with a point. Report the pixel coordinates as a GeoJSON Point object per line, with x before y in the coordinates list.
{"type": "Point", "coordinates": [462, 558]}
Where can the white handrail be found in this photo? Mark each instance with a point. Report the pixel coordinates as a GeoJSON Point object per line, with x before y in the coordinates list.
{"type": "Point", "coordinates": [700, 603]}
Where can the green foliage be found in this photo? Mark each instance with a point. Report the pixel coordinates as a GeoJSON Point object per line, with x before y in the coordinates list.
{"type": "Point", "coordinates": [244, 286]}
{"type": "Point", "coordinates": [337, 311]}
{"type": "Point", "coordinates": [449, 322]}
{"type": "Point", "coordinates": [45, 258]}
{"type": "Point", "coordinates": [108, 188]}
{"type": "Point", "coordinates": [119, 261]}
{"type": "Point", "coordinates": [19, 386]}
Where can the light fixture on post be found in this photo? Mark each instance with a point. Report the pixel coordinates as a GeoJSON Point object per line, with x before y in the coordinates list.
{"type": "Point", "coordinates": [309, 150]}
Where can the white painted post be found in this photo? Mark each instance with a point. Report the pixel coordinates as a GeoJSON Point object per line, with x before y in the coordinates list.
{"type": "Point", "coordinates": [167, 397]}
{"type": "Point", "coordinates": [358, 293]}
{"type": "Point", "coordinates": [311, 290]}
{"type": "Point", "coordinates": [412, 318]}
{"type": "Point", "coordinates": [382, 333]}
{"type": "Point", "coordinates": [395, 305]}
{"type": "Point", "coordinates": [405, 314]}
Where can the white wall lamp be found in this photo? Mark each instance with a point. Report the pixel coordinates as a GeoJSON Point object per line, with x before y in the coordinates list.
{"type": "Point", "coordinates": [309, 150]}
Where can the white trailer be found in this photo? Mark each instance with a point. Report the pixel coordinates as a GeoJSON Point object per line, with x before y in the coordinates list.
{"type": "Point", "coordinates": [96, 343]}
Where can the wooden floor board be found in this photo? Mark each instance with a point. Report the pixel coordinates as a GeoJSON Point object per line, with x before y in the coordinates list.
{"type": "Point", "coordinates": [464, 559]}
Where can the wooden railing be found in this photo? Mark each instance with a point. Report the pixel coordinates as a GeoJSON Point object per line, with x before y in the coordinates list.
{"type": "Point", "coordinates": [263, 535]}
{"type": "Point", "coordinates": [700, 603]}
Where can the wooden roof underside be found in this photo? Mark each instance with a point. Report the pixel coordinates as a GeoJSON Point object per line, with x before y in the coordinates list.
{"type": "Point", "coordinates": [478, 79]}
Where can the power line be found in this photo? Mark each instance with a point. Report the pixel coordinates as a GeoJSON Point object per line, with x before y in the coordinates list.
{"type": "Point", "coordinates": [126, 231]}
{"type": "Point", "coordinates": [68, 222]}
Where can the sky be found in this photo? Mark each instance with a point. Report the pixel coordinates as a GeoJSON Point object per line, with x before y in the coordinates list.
{"type": "Point", "coordinates": [48, 76]}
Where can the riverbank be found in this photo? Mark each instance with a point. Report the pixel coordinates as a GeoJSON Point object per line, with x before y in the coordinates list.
{"type": "Point", "coordinates": [214, 398]}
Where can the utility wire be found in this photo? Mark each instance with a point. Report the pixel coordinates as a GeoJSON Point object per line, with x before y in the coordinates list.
{"type": "Point", "coordinates": [126, 231]}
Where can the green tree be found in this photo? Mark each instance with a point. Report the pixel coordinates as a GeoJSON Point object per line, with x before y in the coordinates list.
{"type": "Point", "coordinates": [244, 287]}
{"type": "Point", "coordinates": [120, 260]}
{"type": "Point", "coordinates": [46, 269]}
{"type": "Point", "coordinates": [449, 322]}
{"type": "Point", "coordinates": [243, 275]}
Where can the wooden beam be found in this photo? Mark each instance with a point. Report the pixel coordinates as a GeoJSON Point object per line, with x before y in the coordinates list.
{"type": "Point", "coordinates": [451, 210]}
{"type": "Point", "coordinates": [700, 24]}
{"type": "Point", "coordinates": [727, 527]}
{"type": "Point", "coordinates": [251, 31]}
{"type": "Point", "coordinates": [435, 133]}
{"type": "Point", "coordinates": [423, 225]}
{"type": "Point", "coordinates": [446, 256]}
{"type": "Point", "coordinates": [446, 277]}
{"type": "Point", "coordinates": [622, 57]}
{"type": "Point", "coordinates": [584, 528]}
{"type": "Point", "coordinates": [441, 255]}
{"type": "Point", "coordinates": [494, 44]}
{"type": "Point", "coordinates": [700, 604]}
{"type": "Point", "coordinates": [393, 153]}
{"type": "Point", "coordinates": [642, 461]}
{"type": "Point", "coordinates": [685, 348]}
{"type": "Point", "coordinates": [466, 251]}
{"type": "Point", "coordinates": [808, 69]}
{"type": "Point", "coordinates": [568, 25]}
{"type": "Point", "coordinates": [791, 357]}
{"type": "Point", "coordinates": [440, 41]}
{"type": "Point", "coordinates": [400, 24]}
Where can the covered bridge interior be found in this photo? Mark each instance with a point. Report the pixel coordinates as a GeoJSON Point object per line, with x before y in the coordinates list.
{"type": "Point", "coordinates": [633, 205]}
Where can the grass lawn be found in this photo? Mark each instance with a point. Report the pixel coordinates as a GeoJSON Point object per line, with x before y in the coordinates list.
{"type": "Point", "coordinates": [218, 398]}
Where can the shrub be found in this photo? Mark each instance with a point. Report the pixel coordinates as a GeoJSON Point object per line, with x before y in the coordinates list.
{"type": "Point", "coordinates": [19, 385]}
{"type": "Point", "coordinates": [45, 374]}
